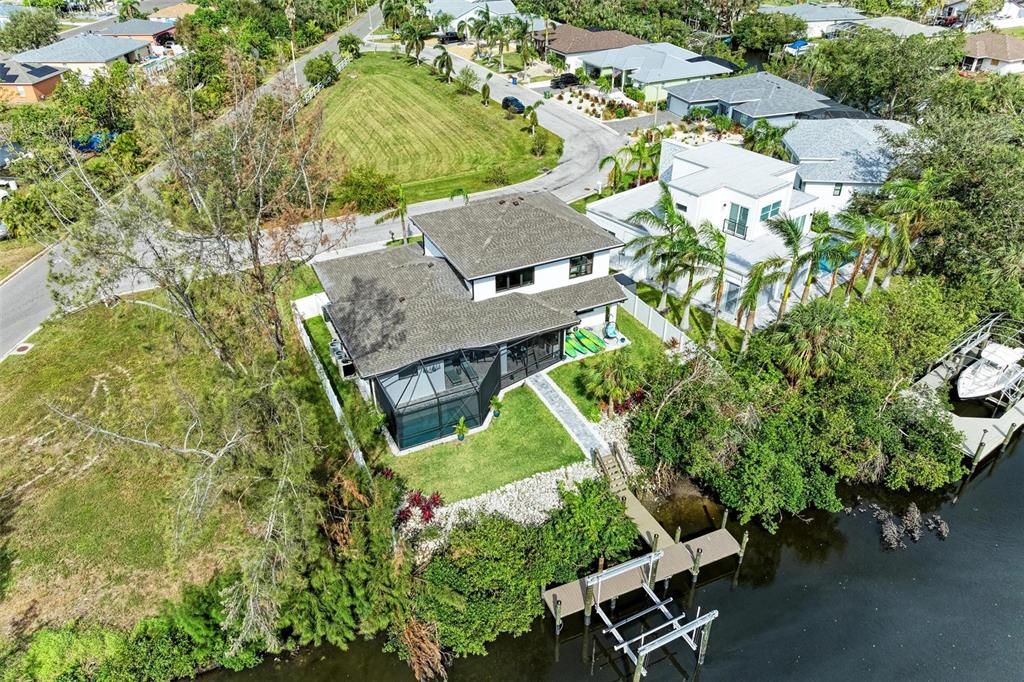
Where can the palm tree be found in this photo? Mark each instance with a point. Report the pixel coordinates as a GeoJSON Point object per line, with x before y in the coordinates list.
{"type": "Point", "coordinates": [502, 36]}
{"type": "Point", "coordinates": [859, 231]}
{"type": "Point", "coordinates": [617, 174]}
{"type": "Point", "coordinates": [350, 44]}
{"type": "Point", "coordinates": [413, 38]}
{"type": "Point", "coordinates": [921, 202]}
{"type": "Point", "coordinates": [762, 275]}
{"type": "Point", "coordinates": [643, 154]}
{"type": "Point", "coordinates": [713, 256]}
{"type": "Point", "coordinates": [791, 232]}
{"type": "Point", "coordinates": [764, 138]}
{"type": "Point", "coordinates": [722, 124]}
{"type": "Point", "coordinates": [485, 90]}
{"type": "Point", "coordinates": [464, 28]}
{"type": "Point", "coordinates": [443, 63]}
{"type": "Point", "coordinates": [394, 13]}
{"type": "Point", "coordinates": [824, 248]}
{"type": "Point", "coordinates": [610, 378]}
{"type": "Point", "coordinates": [400, 211]}
{"type": "Point", "coordinates": [891, 243]}
{"type": "Point", "coordinates": [442, 20]}
{"type": "Point", "coordinates": [128, 9]}
{"type": "Point", "coordinates": [530, 114]}
{"type": "Point", "coordinates": [814, 339]}
{"type": "Point", "coordinates": [669, 248]}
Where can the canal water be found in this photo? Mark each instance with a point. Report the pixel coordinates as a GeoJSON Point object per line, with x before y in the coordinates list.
{"type": "Point", "coordinates": [820, 600]}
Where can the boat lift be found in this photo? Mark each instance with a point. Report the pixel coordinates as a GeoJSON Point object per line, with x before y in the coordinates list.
{"type": "Point", "coordinates": [638, 648]}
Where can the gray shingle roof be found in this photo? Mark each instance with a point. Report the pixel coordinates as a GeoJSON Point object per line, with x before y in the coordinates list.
{"type": "Point", "coordinates": [510, 232]}
{"type": "Point", "coordinates": [17, 73]}
{"type": "Point", "coordinates": [843, 150]}
{"type": "Point", "coordinates": [810, 12]}
{"type": "Point", "coordinates": [396, 306]}
{"type": "Point", "coordinates": [903, 28]}
{"type": "Point", "coordinates": [756, 94]}
{"type": "Point", "coordinates": [85, 48]}
{"type": "Point", "coordinates": [657, 63]}
{"type": "Point", "coordinates": [136, 27]}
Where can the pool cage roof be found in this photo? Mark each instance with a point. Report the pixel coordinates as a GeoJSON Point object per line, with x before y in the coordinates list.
{"type": "Point", "coordinates": [460, 372]}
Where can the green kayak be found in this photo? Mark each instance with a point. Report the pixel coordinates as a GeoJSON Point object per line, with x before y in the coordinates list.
{"type": "Point", "coordinates": [592, 336]}
{"type": "Point", "coordinates": [587, 343]}
{"type": "Point", "coordinates": [571, 340]}
{"type": "Point", "coordinates": [569, 349]}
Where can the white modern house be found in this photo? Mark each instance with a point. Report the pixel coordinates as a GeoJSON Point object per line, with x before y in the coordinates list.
{"type": "Point", "coordinates": [819, 18]}
{"type": "Point", "coordinates": [432, 332]}
{"type": "Point", "coordinates": [993, 52]}
{"type": "Point", "coordinates": [751, 97]}
{"type": "Point", "coordinates": [837, 158]}
{"type": "Point", "coordinates": [736, 190]}
{"type": "Point", "coordinates": [653, 67]}
{"type": "Point", "coordinates": [898, 26]}
{"type": "Point", "coordinates": [466, 10]}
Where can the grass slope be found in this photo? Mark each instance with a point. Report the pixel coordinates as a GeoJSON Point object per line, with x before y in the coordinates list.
{"type": "Point", "coordinates": [399, 117]}
{"type": "Point", "coordinates": [16, 252]}
{"type": "Point", "coordinates": [526, 439]}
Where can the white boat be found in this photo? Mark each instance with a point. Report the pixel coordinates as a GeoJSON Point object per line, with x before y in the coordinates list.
{"type": "Point", "coordinates": [998, 368]}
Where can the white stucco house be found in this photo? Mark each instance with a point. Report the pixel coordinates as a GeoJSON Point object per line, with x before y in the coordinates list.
{"type": "Point", "coordinates": [751, 97]}
{"type": "Point", "coordinates": [434, 331]}
{"type": "Point", "coordinates": [87, 53]}
{"type": "Point", "coordinates": [898, 26]}
{"type": "Point", "coordinates": [993, 52]}
{"type": "Point", "coordinates": [819, 18]}
{"type": "Point", "coordinates": [654, 67]}
{"type": "Point", "coordinates": [837, 158]}
{"type": "Point", "coordinates": [466, 10]}
{"type": "Point", "coordinates": [736, 190]}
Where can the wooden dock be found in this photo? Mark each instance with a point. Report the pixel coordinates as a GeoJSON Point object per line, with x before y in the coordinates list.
{"type": "Point", "coordinates": [982, 436]}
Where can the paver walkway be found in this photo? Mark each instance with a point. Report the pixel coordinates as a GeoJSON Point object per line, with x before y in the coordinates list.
{"type": "Point", "coordinates": [566, 413]}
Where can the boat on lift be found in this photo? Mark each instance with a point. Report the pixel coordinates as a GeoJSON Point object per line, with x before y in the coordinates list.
{"type": "Point", "coordinates": [998, 367]}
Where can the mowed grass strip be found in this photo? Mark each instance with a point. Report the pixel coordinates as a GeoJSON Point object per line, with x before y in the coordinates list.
{"type": "Point", "coordinates": [408, 123]}
{"type": "Point", "coordinates": [525, 440]}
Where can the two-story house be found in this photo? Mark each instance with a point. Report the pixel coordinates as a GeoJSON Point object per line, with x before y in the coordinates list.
{"type": "Point", "coordinates": [435, 330]}
{"type": "Point", "coordinates": [736, 190]}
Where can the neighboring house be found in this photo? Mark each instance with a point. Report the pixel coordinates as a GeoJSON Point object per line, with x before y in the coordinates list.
{"type": "Point", "coordinates": [434, 331]}
{"type": "Point", "coordinates": [174, 12]}
{"type": "Point", "coordinates": [995, 52]}
{"type": "Point", "coordinates": [22, 83]}
{"type": "Point", "coordinates": [756, 96]}
{"type": "Point", "coordinates": [904, 28]}
{"type": "Point", "coordinates": [87, 53]}
{"type": "Point", "coordinates": [819, 18]}
{"type": "Point", "coordinates": [156, 32]}
{"type": "Point", "coordinates": [839, 157]}
{"type": "Point", "coordinates": [654, 67]}
{"type": "Point", "coordinates": [7, 10]}
{"type": "Point", "coordinates": [736, 190]}
{"type": "Point", "coordinates": [574, 44]}
{"type": "Point", "coordinates": [466, 10]}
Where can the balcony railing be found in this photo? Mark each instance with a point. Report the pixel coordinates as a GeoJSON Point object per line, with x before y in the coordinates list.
{"type": "Point", "coordinates": [734, 227]}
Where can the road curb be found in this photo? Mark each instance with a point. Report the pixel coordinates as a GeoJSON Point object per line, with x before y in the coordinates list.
{"type": "Point", "coordinates": [24, 265]}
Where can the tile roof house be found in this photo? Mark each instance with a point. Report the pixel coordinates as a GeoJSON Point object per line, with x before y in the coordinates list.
{"type": "Point", "coordinates": [819, 18]}
{"type": "Point", "coordinates": [654, 67]}
{"type": "Point", "coordinates": [756, 96]}
{"type": "Point", "coordinates": [573, 43]}
{"type": "Point", "coordinates": [22, 83]}
{"type": "Point", "coordinates": [839, 157]}
{"type": "Point", "coordinates": [435, 330]}
{"type": "Point", "coordinates": [156, 32]}
{"type": "Point", "coordinates": [995, 52]}
{"type": "Point", "coordinates": [735, 190]}
{"type": "Point", "coordinates": [87, 53]}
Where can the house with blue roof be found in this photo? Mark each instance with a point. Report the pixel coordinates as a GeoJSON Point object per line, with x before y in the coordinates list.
{"type": "Point", "coordinates": [87, 53]}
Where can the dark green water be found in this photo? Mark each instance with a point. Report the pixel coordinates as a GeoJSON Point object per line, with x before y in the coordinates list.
{"type": "Point", "coordinates": [821, 600]}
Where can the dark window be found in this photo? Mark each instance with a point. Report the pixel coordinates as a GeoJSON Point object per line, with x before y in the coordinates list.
{"type": "Point", "coordinates": [838, 189]}
{"type": "Point", "coordinates": [581, 265]}
{"type": "Point", "coordinates": [680, 207]}
{"type": "Point", "coordinates": [514, 279]}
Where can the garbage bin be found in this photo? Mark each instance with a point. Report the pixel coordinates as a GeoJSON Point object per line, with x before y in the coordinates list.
{"type": "Point", "coordinates": [515, 81]}
{"type": "Point", "coordinates": [547, 94]}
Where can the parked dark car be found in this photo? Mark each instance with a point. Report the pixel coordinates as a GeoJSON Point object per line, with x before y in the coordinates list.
{"type": "Point", "coordinates": [513, 104]}
{"type": "Point", "coordinates": [449, 38]}
{"type": "Point", "coordinates": [566, 80]}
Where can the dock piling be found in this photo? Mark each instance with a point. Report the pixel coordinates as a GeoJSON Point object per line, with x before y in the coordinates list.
{"type": "Point", "coordinates": [978, 453]}
{"type": "Point", "coordinates": [558, 616]}
{"type": "Point", "coordinates": [696, 564]}
{"type": "Point", "coordinates": [1009, 435]}
{"type": "Point", "coordinates": [653, 577]}
{"type": "Point", "coordinates": [639, 667]}
{"type": "Point", "coordinates": [725, 517]}
{"type": "Point", "coordinates": [705, 632]}
{"type": "Point", "coordinates": [743, 544]}
{"type": "Point", "coordinates": [679, 533]}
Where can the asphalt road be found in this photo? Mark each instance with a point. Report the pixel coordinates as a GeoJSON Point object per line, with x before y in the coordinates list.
{"type": "Point", "coordinates": [147, 6]}
{"type": "Point", "coordinates": [26, 302]}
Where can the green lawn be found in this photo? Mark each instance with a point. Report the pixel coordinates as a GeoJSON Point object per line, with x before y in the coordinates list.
{"type": "Point", "coordinates": [399, 117]}
{"type": "Point", "coordinates": [580, 205]}
{"type": "Point", "coordinates": [513, 63]}
{"type": "Point", "coordinates": [1016, 32]}
{"type": "Point", "coordinates": [16, 252]}
{"type": "Point", "coordinates": [526, 439]}
{"type": "Point", "coordinates": [569, 377]}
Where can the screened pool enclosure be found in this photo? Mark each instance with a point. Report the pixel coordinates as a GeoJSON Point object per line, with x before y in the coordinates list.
{"type": "Point", "coordinates": [425, 400]}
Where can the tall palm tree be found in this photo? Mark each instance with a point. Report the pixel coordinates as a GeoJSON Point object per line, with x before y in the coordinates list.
{"type": "Point", "coordinates": [814, 339]}
{"type": "Point", "coordinates": [791, 232]}
{"type": "Point", "coordinates": [530, 113]}
{"type": "Point", "coordinates": [443, 63]}
{"type": "Point", "coordinates": [891, 243]}
{"type": "Point", "coordinates": [825, 248]}
{"type": "Point", "coordinates": [643, 156]}
{"type": "Point", "coordinates": [442, 21]}
{"type": "Point", "coordinates": [617, 174]}
{"type": "Point", "coordinates": [670, 247]}
{"type": "Point", "coordinates": [465, 28]}
{"type": "Point", "coordinates": [128, 9]}
{"type": "Point", "coordinates": [762, 275]}
{"type": "Point", "coordinates": [860, 232]}
{"type": "Point", "coordinates": [400, 211]}
{"type": "Point", "coordinates": [764, 138]}
{"type": "Point", "coordinates": [394, 13]}
{"type": "Point", "coordinates": [413, 38]}
{"type": "Point", "coordinates": [921, 202]}
{"type": "Point", "coordinates": [713, 257]}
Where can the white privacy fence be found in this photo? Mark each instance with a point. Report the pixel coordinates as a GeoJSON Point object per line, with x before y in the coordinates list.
{"type": "Point", "coordinates": [653, 320]}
